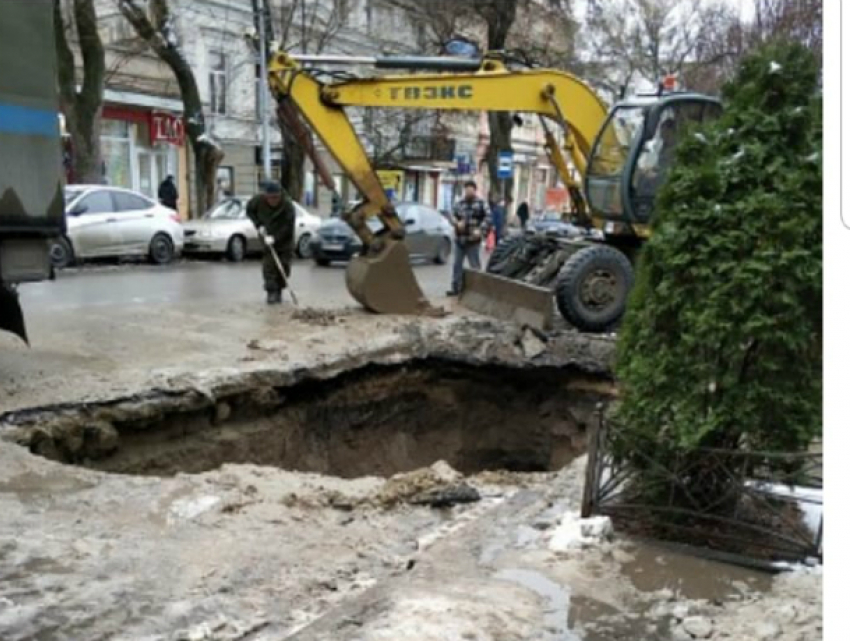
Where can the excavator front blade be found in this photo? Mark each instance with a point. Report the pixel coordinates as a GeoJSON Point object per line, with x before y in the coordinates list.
{"type": "Point", "coordinates": [507, 299]}
{"type": "Point", "coordinates": [384, 282]}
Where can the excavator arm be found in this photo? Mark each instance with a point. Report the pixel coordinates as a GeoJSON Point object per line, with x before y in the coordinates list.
{"type": "Point", "coordinates": [382, 279]}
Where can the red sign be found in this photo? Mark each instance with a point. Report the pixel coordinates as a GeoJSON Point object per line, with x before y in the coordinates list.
{"type": "Point", "coordinates": [166, 127]}
{"type": "Point", "coordinates": [557, 199]}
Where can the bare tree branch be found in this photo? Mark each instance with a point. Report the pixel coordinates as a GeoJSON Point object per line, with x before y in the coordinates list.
{"type": "Point", "coordinates": [157, 30]}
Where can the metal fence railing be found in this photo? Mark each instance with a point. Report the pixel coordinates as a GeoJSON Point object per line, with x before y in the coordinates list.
{"type": "Point", "coordinates": [764, 506]}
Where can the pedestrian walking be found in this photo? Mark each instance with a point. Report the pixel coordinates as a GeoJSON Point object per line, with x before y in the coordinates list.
{"type": "Point", "coordinates": [472, 221]}
{"type": "Point", "coordinates": [167, 193]}
{"type": "Point", "coordinates": [499, 215]}
{"type": "Point", "coordinates": [522, 214]}
{"type": "Point", "coordinates": [274, 217]}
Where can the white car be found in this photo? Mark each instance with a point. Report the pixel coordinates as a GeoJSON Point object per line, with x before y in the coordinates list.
{"type": "Point", "coordinates": [110, 221]}
{"type": "Point", "coordinates": [226, 229]}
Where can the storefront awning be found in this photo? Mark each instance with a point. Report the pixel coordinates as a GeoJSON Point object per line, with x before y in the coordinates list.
{"type": "Point", "coordinates": [143, 100]}
{"type": "Point", "coordinates": [428, 168]}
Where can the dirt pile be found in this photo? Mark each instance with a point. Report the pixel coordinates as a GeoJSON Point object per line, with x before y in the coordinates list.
{"type": "Point", "coordinates": [320, 317]}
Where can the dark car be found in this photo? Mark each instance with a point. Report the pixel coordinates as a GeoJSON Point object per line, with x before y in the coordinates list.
{"type": "Point", "coordinates": [552, 222]}
{"type": "Point", "coordinates": [429, 236]}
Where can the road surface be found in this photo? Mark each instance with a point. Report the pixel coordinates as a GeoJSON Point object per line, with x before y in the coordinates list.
{"type": "Point", "coordinates": [106, 329]}
{"type": "Point", "coordinates": [188, 283]}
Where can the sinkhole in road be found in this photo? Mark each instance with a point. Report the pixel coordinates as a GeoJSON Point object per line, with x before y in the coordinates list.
{"type": "Point", "coordinates": [371, 420]}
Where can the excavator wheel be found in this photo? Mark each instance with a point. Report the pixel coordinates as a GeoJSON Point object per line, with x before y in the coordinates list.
{"type": "Point", "coordinates": [383, 282]}
{"type": "Point", "coordinates": [593, 286]}
{"type": "Point", "coordinates": [501, 253]}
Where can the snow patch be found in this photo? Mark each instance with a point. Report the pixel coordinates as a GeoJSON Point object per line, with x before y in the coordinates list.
{"type": "Point", "coordinates": [574, 532]}
{"type": "Point", "coordinates": [808, 499]}
{"type": "Point", "coordinates": [209, 140]}
{"type": "Point", "coordinates": [190, 508]}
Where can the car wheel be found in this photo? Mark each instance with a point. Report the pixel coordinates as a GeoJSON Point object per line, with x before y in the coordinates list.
{"type": "Point", "coordinates": [61, 253]}
{"type": "Point", "coordinates": [161, 250]}
{"type": "Point", "coordinates": [236, 249]}
{"type": "Point", "coordinates": [443, 252]}
{"type": "Point", "coordinates": [323, 262]}
{"type": "Point", "coordinates": [303, 248]}
{"type": "Point", "coordinates": [593, 287]}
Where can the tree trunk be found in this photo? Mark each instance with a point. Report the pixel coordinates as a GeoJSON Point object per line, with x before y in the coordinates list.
{"type": "Point", "coordinates": [501, 126]}
{"type": "Point", "coordinates": [160, 37]}
{"type": "Point", "coordinates": [82, 109]}
{"type": "Point", "coordinates": [292, 171]}
{"type": "Point", "coordinates": [500, 16]}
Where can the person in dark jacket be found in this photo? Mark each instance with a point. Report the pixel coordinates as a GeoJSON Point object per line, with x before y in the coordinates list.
{"type": "Point", "coordinates": [522, 214]}
{"type": "Point", "coordinates": [472, 221]}
{"type": "Point", "coordinates": [274, 217]}
{"type": "Point", "coordinates": [499, 214]}
{"type": "Point", "coordinates": [167, 193]}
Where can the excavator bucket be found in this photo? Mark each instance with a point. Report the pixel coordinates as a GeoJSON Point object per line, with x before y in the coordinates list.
{"type": "Point", "coordinates": [384, 283]}
{"type": "Point", "coordinates": [507, 299]}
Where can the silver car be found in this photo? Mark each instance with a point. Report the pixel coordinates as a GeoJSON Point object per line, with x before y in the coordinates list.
{"type": "Point", "coordinates": [429, 236]}
{"type": "Point", "coordinates": [110, 221]}
{"type": "Point", "coordinates": [226, 229]}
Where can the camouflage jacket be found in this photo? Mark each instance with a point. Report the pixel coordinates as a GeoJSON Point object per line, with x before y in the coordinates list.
{"type": "Point", "coordinates": [472, 220]}
{"type": "Point", "coordinates": [278, 221]}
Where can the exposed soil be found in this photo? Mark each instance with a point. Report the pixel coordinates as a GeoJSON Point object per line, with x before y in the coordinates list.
{"type": "Point", "coordinates": [375, 420]}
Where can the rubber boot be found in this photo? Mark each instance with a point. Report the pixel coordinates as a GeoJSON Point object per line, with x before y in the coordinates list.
{"type": "Point", "coordinates": [274, 297]}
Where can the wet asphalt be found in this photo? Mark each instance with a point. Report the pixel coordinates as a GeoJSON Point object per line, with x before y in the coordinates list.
{"type": "Point", "coordinates": [191, 282]}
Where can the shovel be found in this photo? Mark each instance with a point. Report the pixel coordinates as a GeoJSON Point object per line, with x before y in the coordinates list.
{"type": "Point", "coordinates": [287, 285]}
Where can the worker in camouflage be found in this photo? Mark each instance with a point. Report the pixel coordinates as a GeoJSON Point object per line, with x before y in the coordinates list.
{"type": "Point", "coordinates": [274, 217]}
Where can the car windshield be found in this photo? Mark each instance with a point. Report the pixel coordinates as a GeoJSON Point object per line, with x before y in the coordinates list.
{"type": "Point", "coordinates": [71, 193]}
{"type": "Point", "coordinates": [227, 210]}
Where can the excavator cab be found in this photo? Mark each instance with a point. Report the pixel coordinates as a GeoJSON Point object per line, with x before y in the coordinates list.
{"type": "Point", "coordinates": [633, 153]}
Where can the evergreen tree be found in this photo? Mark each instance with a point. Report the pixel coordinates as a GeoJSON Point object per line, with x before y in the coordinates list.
{"type": "Point", "coordinates": [721, 343]}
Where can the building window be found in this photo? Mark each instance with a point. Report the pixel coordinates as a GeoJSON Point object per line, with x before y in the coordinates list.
{"type": "Point", "coordinates": [115, 151]}
{"type": "Point", "coordinates": [218, 82]}
{"type": "Point", "coordinates": [224, 181]}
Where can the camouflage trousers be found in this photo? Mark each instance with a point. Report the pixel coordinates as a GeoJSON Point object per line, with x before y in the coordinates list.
{"type": "Point", "coordinates": [271, 274]}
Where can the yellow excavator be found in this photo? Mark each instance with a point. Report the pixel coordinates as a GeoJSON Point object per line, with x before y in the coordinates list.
{"type": "Point", "coordinates": [615, 153]}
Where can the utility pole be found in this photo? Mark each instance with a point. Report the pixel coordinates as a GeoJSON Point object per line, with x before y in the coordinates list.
{"type": "Point", "coordinates": [265, 134]}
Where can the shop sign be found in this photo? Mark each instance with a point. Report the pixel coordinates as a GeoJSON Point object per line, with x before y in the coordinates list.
{"type": "Point", "coordinates": [166, 127]}
{"type": "Point", "coordinates": [557, 199]}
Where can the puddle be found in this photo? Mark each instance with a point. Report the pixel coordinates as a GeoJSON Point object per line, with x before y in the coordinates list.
{"type": "Point", "coordinates": [654, 568]}
{"type": "Point", "coordinates": [556, 613]}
